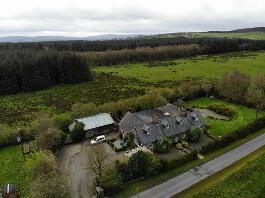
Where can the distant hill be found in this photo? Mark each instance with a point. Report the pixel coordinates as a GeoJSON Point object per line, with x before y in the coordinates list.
{"type": "Point", "coordinates": [244, 30]}
{"type": "Point", "coordinates": [16, 39]}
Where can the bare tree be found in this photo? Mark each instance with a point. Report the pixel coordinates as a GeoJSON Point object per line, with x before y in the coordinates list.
{"type": "Point", "coordinates": [96, 159]}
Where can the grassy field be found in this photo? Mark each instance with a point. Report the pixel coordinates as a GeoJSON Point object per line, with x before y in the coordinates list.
{"type": "Point", "coordinates": [247, 35]}
{"type": "Point", "coordinates": [120, 82]}
{"type": "Point", "coordinates": [221, 127]}
{"type": "Point", "coordinates": [11, 171]}
{"type": "Point", "coordinates": [243, 179]}
{"type": "Point", "coordinates": [142, 185]}
{"type": "Point", "coordinates": [194, 69]}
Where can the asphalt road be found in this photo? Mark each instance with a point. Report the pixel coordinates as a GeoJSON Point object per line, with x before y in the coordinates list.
{"type": "Point", "coordinates": [199, 173]}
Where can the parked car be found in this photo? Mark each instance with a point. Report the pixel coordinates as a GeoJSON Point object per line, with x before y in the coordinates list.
{"type": "Point", "coordinates": [98, 139]}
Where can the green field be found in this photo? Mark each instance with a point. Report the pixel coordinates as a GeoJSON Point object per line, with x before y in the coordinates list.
{"type": "Point", "coordinates": [221, 127]}
{"type": "Point", "coordinates": [247, 35]}
{"type": "Point", "coordinates": [120, 82]}
{"type": "Point", "coordinates": [194, 69]}
{"type": "Point", "coordinates": [12, 171]}
{"type": "Point", "coordinates": [244, 183]}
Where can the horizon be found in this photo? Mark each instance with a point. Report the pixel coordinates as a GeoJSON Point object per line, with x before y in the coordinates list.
{"type": "Point", "coordinates": [89, 18]}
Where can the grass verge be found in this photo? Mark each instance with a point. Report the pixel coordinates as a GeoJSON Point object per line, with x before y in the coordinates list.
{"type": "Point", "coordinates": [242, 179]}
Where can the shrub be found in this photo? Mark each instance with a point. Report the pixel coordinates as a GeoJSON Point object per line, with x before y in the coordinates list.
{"type": "Point", "coordinates": [163, 146]}
{"type": "Point", "coordinates": [234, 86]}
{"type": "Point", "coordinates": [42, 163]}
{"type": "Point", "coordinates": [8, 136]}
{"type": "Point", "coordinates": [55, 186]}
{"type": "Point", "coordinates": [50, 139]}
{"type": "Point", "coordinates": [62, 121]}
{"type": "Point", "coordinates": [142, 164]}
{"type": "Point", "coordinates": [168, 164]}
{"type": "Point", "coordinates": [80, 110]}
{"type": "Point", "coordinates": [111, 183]}
{"type": "Point", "coordinates": [222, 109]}
{"type": "Point", "coordinates": [241, 133]}
{"type": "Point", "coordinates": [78, 134]}
{"type": "Point", "coordinates": [194, 136]}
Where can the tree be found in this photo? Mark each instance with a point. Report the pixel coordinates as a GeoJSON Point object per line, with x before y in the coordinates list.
{"type": "Point", "coordinates": [42, 163]}
{"type": "Point", "coordinates": [194, 136]}
{"type": "Point", "coordinates": [142, 164]}
{"type": "Point", "coordinates": [96, 159]}
{"type": "Point", "coordinates": [82, 110]}
{"type": "Point", "coordinates": [234, 86]}
{"type": "Point", "coordinates": [50, 187]}
{"type": "Point", "coordinates": [50, 139]}
{"type": "Point", "coordinates": [78, 134]}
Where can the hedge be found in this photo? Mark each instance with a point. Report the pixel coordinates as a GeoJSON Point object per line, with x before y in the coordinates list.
{"type": "Point", "coordinates": [241, 133]}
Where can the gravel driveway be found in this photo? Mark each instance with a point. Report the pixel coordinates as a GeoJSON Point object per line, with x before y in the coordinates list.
{"type": "Point", "coordinates": [73, 163]}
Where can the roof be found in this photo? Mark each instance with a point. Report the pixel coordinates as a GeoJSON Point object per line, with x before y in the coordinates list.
{"type": "Point", "coordinates": [166, 121]}
{"type": "Point", "coordinates": [9, 188]}
{"type": "Point", "coordinates": [95, 121]}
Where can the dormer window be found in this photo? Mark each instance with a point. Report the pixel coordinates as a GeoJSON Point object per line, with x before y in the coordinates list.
{"type": "Point", "coordinates": [195, 116]}
{"type": "Point", "coordinates": [147, 129]}
{"type": "Point", "coordinates": [165, 124]}
{"type": "Point", "coordinates": [179, 120]}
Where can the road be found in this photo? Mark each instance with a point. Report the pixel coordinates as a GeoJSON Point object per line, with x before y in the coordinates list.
{"type": "Point", "coordinates": [199, 173]}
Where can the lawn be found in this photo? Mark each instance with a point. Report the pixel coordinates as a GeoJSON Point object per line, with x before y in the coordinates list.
{"type": "Point", "coordinates": [244, 179]}
{"type": "Point", "coordinates": [247, 35]}
{"type": "Point", "coordinates": [221, 127]}
{"type": "Point", "coordinates": [194, 69]}
{"type": "Point", "coordinates": [12, 172]}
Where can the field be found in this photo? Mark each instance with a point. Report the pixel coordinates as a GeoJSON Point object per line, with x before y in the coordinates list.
{"type": "Point", "coordinates": [194, 69]}
{"type": "Point", "coordinates": [120, 82]}
{"type": "Point", "coordinates": [244, 179]}
{"type": "Point", "coordinates": [12, 172]}
{"type": "Point", "coordinates": [221, 127]}
{"type": "Point", "coordinates": [247, 35]}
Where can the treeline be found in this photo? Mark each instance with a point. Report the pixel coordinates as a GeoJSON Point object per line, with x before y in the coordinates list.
{"type": "Point", "coordinates": [29, 70]}
{"type": "Point", "coordinates": [139, 55]}
{"type": "Point", "coordinates": [212, 45]}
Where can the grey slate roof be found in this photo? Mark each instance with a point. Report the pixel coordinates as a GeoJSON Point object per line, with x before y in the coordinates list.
{"type": "Point", "coordinates": [95, 121]}
{"type": "Point", "coordinates": [166, 121]}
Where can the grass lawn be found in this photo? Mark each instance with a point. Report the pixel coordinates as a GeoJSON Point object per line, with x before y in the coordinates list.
{"type": "Point", "coordinates": [194, 69]}
{"type": "Point", "coordinates": [243, 179]}
{"type": "Point", "coordinates": [247, 35]}
{"type": "Point", "coordinates": [12, 172]}
{"type": "Point", "coordinates": [142, 185]}
{"type": "Point", "coordinates": [221, 127]}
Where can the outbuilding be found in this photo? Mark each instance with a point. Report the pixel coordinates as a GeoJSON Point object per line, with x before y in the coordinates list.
{"type": "Point", "coordinates": [9, 191]}
{"type": "Point", "coordinates": [96, 125]}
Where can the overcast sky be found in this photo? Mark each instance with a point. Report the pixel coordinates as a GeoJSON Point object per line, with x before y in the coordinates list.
{"type": "Point", "coordinates": [93, 17]}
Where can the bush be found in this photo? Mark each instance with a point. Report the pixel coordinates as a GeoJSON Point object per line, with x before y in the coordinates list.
{"type": "Point", "coordinates": [80, 110]}
{"type": "Point", "coordinates": [168, 164]}
{"type": "Point", "coordinates": [55, 186]}
{"type": "Point", "coordinates": [50, 139]}
{"type": "Point", "coordinates": [62, 121]}
{"type": "Point", "coordinates": [234, 86]}
{"type": "Point", "coordinates": [163, 146]}
{"type": "Point", "coordinates": [78, 134]}
{"type": "Point", "coordinates": [194, 136]}
{"type": "Point", "coordinates": [251, 128]}
{"type": "Point", "coordinates": [111, 183]}
{"type": "Point", "coordinates": [142, 164]}
{"type": "Point", "coordinates": [222, 109]}
{"type": "Point", "coordinates": [8, 136]}
{"type": "Point", "coordinates": [42, 163]}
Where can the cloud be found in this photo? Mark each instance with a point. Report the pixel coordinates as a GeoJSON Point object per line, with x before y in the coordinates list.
{"type": "Point", "coordinates": [87, 17]}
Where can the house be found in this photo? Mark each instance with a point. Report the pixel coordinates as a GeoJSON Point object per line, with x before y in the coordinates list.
{"type": "Point", "coordinates": [96, 125]}
{"type": "Point", "coordinates": [9, 191]}
{"type": "Point", "coordinates": [153, 125]}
